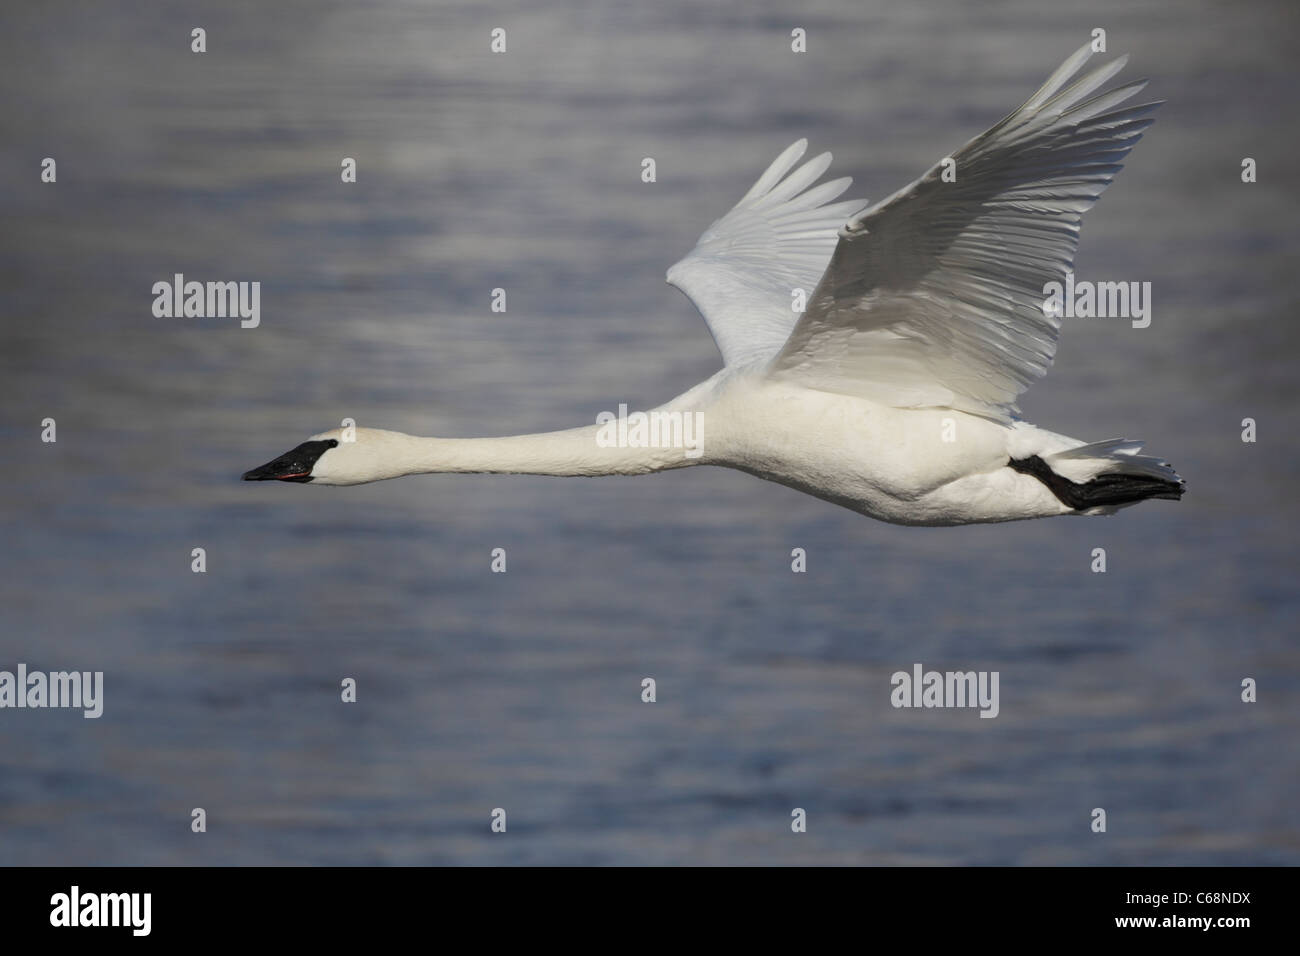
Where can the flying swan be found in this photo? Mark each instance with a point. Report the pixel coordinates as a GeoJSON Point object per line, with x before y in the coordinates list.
{"type": "Point", "coordinates": [893, 393]}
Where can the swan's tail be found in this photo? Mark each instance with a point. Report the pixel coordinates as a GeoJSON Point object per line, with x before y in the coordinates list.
{"type": "Point", "coordinates": [1101, 477]}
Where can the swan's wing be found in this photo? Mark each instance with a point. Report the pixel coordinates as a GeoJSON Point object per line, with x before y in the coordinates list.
{"type": "Point", "coordinates": [935, 295]}
{"type": "Point", "coordinates": [779, 237]}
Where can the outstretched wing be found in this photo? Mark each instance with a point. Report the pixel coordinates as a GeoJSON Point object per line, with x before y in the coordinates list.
{"type": "Point", "coordinates": [935, 296]}
{"type": "Point", "coordinates": [779, 237]}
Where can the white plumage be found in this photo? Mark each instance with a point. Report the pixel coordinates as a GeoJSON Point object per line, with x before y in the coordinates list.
{"type": "Point", "coordinates": [894, 392]}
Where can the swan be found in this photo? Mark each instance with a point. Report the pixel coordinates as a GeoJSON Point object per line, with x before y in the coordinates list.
{"type": "Point", "coordinates": [893, 392]}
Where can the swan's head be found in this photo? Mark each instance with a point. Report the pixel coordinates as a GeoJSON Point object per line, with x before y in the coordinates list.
{"type": "Point", "coordinates": [337, 457]}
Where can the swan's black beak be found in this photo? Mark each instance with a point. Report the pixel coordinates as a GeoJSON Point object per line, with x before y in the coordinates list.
{"type": "Point", "coordinates": [294, 465]}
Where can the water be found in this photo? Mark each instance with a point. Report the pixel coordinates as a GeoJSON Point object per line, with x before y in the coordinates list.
{"type": "Point", "coordinates": [522, 690]}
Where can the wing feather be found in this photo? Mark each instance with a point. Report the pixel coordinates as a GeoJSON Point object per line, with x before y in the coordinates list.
{"type": "Point", "coordinates": [778, 238]}
{"type": "Point", "coordinates": [934, 296]}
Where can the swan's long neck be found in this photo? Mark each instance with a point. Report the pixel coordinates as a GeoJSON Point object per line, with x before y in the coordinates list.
{"type": "Point", "coordinates": [571, 452]}
{"type": "Point", "coordinates": [584, 451]}
{"type": "Point", "coordinates": [670, 436]}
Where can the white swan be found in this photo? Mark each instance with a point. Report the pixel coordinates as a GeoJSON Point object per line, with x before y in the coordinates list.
{"type": "Point", "coordinates": [893, 393]}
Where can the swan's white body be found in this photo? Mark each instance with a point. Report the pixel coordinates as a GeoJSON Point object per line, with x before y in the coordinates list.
{"type": "Point", "coordinates": [887, 463]}
{"type": "Point", "coordinates": [893, 392]}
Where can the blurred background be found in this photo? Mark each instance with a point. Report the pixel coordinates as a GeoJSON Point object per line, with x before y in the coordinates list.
{"type": "Point", "coordinates": [522, 690]}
